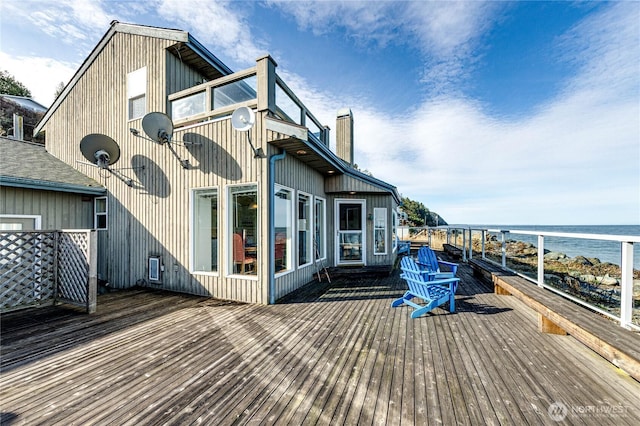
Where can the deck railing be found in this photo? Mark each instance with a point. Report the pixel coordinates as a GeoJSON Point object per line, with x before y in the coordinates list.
{"type": "Point", "coordinates": [609, 295]}
{"type": "Point", "coordinates": [257, 87]}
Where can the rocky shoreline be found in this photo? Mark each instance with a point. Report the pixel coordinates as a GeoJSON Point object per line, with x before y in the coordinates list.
{"type": "Point", "coordinates": [585, 277]}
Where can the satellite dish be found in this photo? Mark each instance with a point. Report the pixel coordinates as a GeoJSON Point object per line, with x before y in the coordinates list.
{"type": "Point", "coordinates": [158, 126]}
{"type": "Point", "coordinates": [100, 149]}
{"type": "Point", "coordinates": [243, 118]}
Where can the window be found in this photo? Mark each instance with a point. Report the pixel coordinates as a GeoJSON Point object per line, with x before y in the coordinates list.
{"type": "Point", "coordinates": [20, 222]}
{"type": "Point", "coordinates": [155, 269]}
{"type": "Point", "coordinates": [394, 230]}
{"type": "Point", "coordinates": [204, 210]}
{"type": "Point", "coordinates": [243, 229]}
{"type": "Point", "coordinates": [304, 230]}
{"type": "Point", "coordinates": [12, 252]}
{"type": "Point", "coordinates": [284, 228]}
{"type": "Point", "coordinates": [320, 228]}
{"type": "Point", "coordinates": [188, 106]}
{"type": "Point", "coordinates": [235, 92]}
{"type": "Point", "coordinates": [100, 213]}
{"type": "Point", "coordinates": [380, 230]}
{"type": "Point", "coordinates": [137, 93]}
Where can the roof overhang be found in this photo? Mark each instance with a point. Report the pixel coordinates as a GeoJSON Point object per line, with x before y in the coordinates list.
{"type": "Point", "coordinates": [188, 49]}
{"type": "Point", "coordinates": [294, 140]}
{"type": "Point", "coordinates": [50, 186]}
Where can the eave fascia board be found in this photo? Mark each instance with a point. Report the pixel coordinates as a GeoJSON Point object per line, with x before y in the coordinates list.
{"type": "Point", "coordinates": [348, 170]}
{"type": "Point", "coordinates": [50, 186]}
{"type": "Point", "coordinates": [301, 133]}
{"type": "Point", "coordinates": [212, 59]}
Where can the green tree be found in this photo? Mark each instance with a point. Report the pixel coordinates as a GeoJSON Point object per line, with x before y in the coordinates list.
{"type": "Point", "coordinates": [10, 86]}
{"type": "Point", "coordinates": [419, 215]}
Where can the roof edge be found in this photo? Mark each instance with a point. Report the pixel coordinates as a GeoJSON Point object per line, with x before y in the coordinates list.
{"type": "Point", "coordinates": [116, 27]}
{"type": "Point", "coordinates": [50, 186]}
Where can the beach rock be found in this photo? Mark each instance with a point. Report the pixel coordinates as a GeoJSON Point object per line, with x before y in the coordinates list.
{"type": "Point", "coordinates": [554, 255]}
{"type": "Point", "coordinates": [587, 278]}
{"type": "Point", "coordinates": [580, 260]}
{"type": "Point", "coordinates": [607, 280]}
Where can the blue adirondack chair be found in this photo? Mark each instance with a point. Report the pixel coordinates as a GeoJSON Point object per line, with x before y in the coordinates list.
{"type": "Point", "coordinates": [427, 261]}
{"type": "Point", "coordinates": [423, 285]}
{"type": "Point", "coordinates": [404, 247]}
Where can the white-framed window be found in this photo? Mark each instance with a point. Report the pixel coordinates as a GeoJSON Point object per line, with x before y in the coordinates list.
{"type": "Point", "coordinates": [284, 213]}
{"type": "Point", "coordinates": [379, 230]}
{"type": "Point", "coordinates": [394, 230]}
{"type": "Point", "coordinates": [100, 212]}
{"type": "Point", "coordinates": [305, 238]}
{"type": "Point", "coordinates": [154, 267]}
{"type": "Point", "coordinates": [320, 229]}
{"type": "Point", "coordinates": [204, 230]}
{"type": "Point", "coordinates": [9, 222]}
{"type": "Point", "coordinates": [243, 229]}
{"type": "Point", "coordinates": [20, 222]}
{"type": "Point", "coordinates": [137, 93]}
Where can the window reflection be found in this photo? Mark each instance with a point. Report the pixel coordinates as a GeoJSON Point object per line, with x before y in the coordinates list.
{"type": "Point", "coordinates": [244, 229]}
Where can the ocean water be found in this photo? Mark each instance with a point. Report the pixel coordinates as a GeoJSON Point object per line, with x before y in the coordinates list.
{"type": "Point", "coordinates": [606, 251]}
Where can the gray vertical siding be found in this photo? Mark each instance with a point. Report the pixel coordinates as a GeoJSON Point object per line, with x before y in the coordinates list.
{"type": "Point", "coordinates": [59, 210]}
{"type": "Point", "coordinates": [152, 216]}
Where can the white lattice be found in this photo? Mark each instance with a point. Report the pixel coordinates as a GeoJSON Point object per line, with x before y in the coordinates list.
{"type": "Point", "coordinates": [27, 264]}
{"type": "Point", "coordinates": [37, 268]}
{"type": "Point", "coordinates": [73, 267]}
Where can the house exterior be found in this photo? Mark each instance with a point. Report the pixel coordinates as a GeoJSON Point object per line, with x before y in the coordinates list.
{"type": "Point", "coordinates": [245, 215]}
{"type": "Point", "coordinates": [38, 191]}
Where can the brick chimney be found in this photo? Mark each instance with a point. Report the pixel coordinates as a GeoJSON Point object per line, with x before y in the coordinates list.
{"type": "Point", "coordinates": [344, 135]}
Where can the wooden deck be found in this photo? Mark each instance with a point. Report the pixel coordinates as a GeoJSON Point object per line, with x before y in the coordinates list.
{"type": "Point", "coordinates": [326, 355]}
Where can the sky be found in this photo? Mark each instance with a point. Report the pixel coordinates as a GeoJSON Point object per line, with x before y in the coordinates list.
{"type": "Point", "coordinates": [511, 113]}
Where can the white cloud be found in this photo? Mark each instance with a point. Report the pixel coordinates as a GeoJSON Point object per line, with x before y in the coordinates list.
{"type": "Point", "coordinates": [216, 24]}
{"type": "Point", "coordinates": [446, 33]}
{"type": "Point", "coordinates": [69, 21]}
{"type": "Point", "coordinates": [576, 160]}
{"type": "Point", "coordinates": [29, 70]}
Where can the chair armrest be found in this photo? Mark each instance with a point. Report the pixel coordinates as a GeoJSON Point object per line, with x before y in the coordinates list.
{"type": "Point", "coordinates": [453, 266]}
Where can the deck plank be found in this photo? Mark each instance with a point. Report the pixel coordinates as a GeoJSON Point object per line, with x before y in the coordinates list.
{"type": "Point", "coordinates": [329, 354]}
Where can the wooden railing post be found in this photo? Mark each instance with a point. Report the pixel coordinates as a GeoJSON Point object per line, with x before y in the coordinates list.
{"type": "Point", "coordinates": [266, 81]}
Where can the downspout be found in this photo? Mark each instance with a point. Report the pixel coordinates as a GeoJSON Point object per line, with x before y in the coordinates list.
{"type": "Point", "coordinates": [272, 225]}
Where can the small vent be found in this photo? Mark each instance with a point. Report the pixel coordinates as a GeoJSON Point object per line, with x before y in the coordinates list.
{"type": "Point", "coordinates": [155, 269]}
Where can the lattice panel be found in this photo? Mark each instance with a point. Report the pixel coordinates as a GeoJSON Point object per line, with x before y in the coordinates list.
{"type": "Point", "coordinates": [27, 263]}
{"type": "Point", "coordinates": [73, 267]}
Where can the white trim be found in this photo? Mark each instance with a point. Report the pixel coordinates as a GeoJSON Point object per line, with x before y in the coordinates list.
{"type": "Point", "coordinates": [309, 228]}
{"type": "Point", "coordinates": [37, 219]}
{"type": "Point", "coordinates": [383, 211]}
{"type": "Point", "coordinates": [137, 88]}
{"type": "Point", "coordinates": [363, 221]}
{"type": "Point", "coordinates": [192, 234]}
{"type": "Point", "coordinates": [228, 262]}
{"type": "Point", "coordinates": [292, 238]}
{"type": "Point", "coordinates": [105, 213]}
{"type": "Point", "coordinates": [323, 256]}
